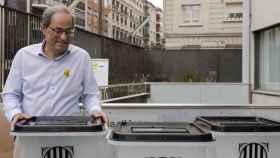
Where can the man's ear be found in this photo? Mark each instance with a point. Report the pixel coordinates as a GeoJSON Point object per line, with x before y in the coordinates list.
{"type": "Point", "coordinates": [43, 29]}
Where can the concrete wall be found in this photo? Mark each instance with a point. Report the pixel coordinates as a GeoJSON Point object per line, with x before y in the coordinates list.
{"type": "Point", "coordinates": [265, 98]}
{"type": "Point", "coordinates": [199, 93]}
{"type": "Point", "coordinates": [186, 112]}
{"type": "Point", "coordinates": [173, 65]}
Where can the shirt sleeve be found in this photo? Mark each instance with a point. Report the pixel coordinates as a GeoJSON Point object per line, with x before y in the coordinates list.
{"type": "Point", "coordinates": [91, 97]}
{"type": "Point", "coordinates": [12, 93]}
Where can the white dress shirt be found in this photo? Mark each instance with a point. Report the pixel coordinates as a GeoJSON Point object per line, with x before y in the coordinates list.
{"type": "Point", "coordinates": [39, 86]}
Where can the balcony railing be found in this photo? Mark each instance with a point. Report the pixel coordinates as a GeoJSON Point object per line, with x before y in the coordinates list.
{"type": "Point", "coordinates": [233, 1]}
{"type": "Point", "coordinates": [234, 17]}
{"type": "Point", "coordinates": [123, 91]}
{"type": "Point", "coordinates": [117, 92]}
{"type": "Point", "coordinates": [79, 13]}
{"type": "Point", "coordinates": [46, 3]}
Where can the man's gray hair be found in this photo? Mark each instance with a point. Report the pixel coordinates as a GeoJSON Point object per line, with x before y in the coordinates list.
{"type": "Point", "coordinates": [49, 12]}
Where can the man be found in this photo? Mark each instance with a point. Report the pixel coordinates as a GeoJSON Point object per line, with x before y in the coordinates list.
{"type": "Point", "coordinates": [49, 78]}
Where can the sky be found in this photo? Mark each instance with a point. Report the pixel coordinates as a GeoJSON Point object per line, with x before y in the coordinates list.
{"type": "Point", "coordinates": [158, 3]}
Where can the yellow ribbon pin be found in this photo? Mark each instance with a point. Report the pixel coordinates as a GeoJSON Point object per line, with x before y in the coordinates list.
{"type": "Point", "coordinates": [66, 72]}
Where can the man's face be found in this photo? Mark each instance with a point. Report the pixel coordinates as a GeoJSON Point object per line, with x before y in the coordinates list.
{"type": "Point", "coordinates": [59, 32]}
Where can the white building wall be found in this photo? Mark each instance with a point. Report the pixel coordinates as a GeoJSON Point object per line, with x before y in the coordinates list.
{"type": "Point", "coordinates": [213, 30]}
{"type": "Point", "coordinates": [263, 14]}
{"type": "Point", "coordinates": [199, 93]}
{"type": "Point", "coordinates": [265, 99]}
{"type": "Point", "coordinates": [246, 42]}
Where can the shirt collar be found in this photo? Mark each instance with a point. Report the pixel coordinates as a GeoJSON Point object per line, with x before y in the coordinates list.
{"type": "Point", "coordinates": [42, 54]}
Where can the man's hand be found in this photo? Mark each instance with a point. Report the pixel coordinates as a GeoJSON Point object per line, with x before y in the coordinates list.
{"type": "Point", "coordinates": [18, 117]}
{"type": "Point", "coordinates": [100, 116]}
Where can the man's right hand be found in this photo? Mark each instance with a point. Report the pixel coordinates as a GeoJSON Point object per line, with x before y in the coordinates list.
{"type": "Point", "coordinates": [18, 117]}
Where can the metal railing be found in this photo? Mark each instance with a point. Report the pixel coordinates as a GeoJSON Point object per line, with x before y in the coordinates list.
{"type": "Point", "coordinates": [120, 90]}
{"type": "Point", "coordinates": [17, 29]}
{"type": "Point", "coordinates": [49, 2]}
{"type": "Point", "coordinates": [123, 90]}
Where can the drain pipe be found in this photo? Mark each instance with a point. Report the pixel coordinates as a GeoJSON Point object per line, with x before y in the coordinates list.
{"type": "Point", "coordinates": [246, 44]}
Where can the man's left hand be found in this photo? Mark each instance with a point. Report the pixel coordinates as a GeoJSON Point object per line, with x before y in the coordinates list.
{"type": "Point", "coordinates": [100, 116]}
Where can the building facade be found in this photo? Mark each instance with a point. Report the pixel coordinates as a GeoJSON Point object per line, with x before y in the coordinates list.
{"type": "Point", "coordinates": [160, 41]}
{"type": "Point", "coordinates": [118, 19]}
{"type": "Point", "coordinates": [97, 19]}
{"type": "Point", "coordinates": [150, 26]}
{"type": "Point", "coordinates": [16, 4]}
{"type": "Point", "coordinates": [38, 6]}
{"type": "Point", "coordinates": [203, 23]}
{"type": "Point", "coordinates": [127, 16]}
{"type": "Point", "coordinates": [262, 51]}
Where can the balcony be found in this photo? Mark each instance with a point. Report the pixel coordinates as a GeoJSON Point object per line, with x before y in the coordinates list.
{"type": "Point", "coordinates": [233, 2]}
{"type": "Point", "coordinates": [79, 13]}
{"type": "Point", "coordinates": [234, 17]}
{"type": "Point", "coordinates": [43, 4]}
{"type": "Point", "coordinates": [80, 18]}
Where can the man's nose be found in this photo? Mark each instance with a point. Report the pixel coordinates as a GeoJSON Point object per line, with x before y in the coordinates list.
{"type": "Point", "coordinates": [64, 36]}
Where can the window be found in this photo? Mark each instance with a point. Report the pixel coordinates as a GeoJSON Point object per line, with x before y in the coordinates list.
{"type": "Point", "coordinates": [80, 15]}
{"type": "Point", "coordinates": [117, 34]}
{"type": "Point", "coordinates": [114, 30]}
{"type": "Point", "coordinates": [191, 14]}
{"type": "Point", "coordinates": [125, 11]}
{"type": "Point", "coordinates": [81, 6]}
{"type": "Point", "coordinates": [121, 8]}
{"type": "Point", "coordinates": [130, 13]}
{"type": "Point", "coordinates": [121, 33]}
{"type": "Point", "coordinates": [90, 12]}
{"type": "Point", "coordinates": [268, 59]}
